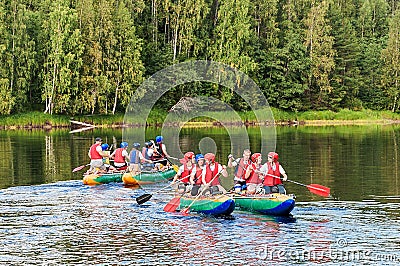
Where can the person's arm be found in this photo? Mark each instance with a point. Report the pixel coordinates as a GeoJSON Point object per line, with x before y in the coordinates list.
{"type": "Point", "coordinates": [230, 161]}
{"type": "Point", "coordinates": [222, 170]}
{"type": "Point", "coordinates": [178, 174]}
{"type": "Point", "coordinates": [101, 152]}
{"type": "Point", "coordinates": [248, 171]}
{"type": "Point", "coordinates": [164, 149]}
{"type": "Point", "coordinates": [125, 154]}
{"type": "Point", "coordinates": [283, 173]}
{"type": "Point", "coordinates": [88, 154]}
{"type": "Point", "coordinates": [142, 159]}
{"type": "Point", "coordinates": [112, 155]}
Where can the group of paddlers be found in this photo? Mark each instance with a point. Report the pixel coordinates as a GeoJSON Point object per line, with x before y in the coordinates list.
{"type": "Point", "coordinates": [200, 173]}
{"type": "Point", "coordinates": [153, 156]}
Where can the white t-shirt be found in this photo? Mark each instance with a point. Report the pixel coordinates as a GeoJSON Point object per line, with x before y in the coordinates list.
{"type": "Point", "coordinates": [212, 167]}
{"type": "Point", "coordinates": [150, 152]}
{"type": "Point", "coordinates": [264, 168]}
{"type": "Point", "coordinates": [182, 168]}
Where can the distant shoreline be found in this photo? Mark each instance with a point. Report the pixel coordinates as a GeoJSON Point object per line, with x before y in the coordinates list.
{"type": "Point", "coordinates": [38, 120]}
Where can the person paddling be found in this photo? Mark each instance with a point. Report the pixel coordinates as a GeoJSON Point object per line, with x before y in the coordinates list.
{"type": "Point", "coordinates": [147, 152]}
{"type": "Point", "coordinates": [252, 175]}
{"type": "Point", "coordinates": [160, 151]}
{"type": "Point", "coordinates": [211, 173]}
{"type": "Point", "coordinates": [240, 165]}
{"type": "Point", "coordinates": [135, 157]}
{"type": "Point", "coordinates": [273, 171]}
{"type": "Point", "coordinates": [121, 156]}
{"type": "Point", "coordinates": [96, 155]}
{"type": "Point", "coordinates": [197, 173]}
{"type": "Point", "coordinates": [184, 172]}
{"type": "Point", "coordinates": [106, 160]}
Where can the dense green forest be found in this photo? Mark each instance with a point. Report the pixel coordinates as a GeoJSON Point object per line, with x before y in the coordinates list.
{"type": "Point", "coordinates": [89, 56]}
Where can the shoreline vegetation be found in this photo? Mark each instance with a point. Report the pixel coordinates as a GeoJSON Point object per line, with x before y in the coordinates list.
{"type": "Point", "coordinates": [39, 120]}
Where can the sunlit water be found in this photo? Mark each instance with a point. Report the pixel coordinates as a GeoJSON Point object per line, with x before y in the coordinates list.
{"type": "Point", "coordinates": [62, 222]}
{"type": "Point", "coordinates": [69, 223]}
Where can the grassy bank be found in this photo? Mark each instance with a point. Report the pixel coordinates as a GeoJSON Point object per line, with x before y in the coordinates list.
{"type": "Point", "coordinates": [157, 117]}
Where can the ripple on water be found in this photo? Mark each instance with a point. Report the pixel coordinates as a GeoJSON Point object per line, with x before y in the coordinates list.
{"type": "Point", "coordinates": [68, 223]}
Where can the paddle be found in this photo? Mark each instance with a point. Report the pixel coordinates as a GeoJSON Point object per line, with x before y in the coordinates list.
{"type": "Point", "coordinates": [145, 197]}
{"type": "Point", "coordinates": [79, 168]}
{"type": "Point", "coordinates": [186, 210]}
{"type": "Point", "coordinates": [313, 188]}
{"type": "Point", "coordinates": [173, 204]}
{"type": "Point", "coordinates": [176, 168]}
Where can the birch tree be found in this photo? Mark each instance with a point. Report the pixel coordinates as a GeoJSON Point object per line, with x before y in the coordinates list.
{"type": "Point", "coordinates": [62, 57]}
{"type": "Point", "coordinates": [391, 63]}
{"type": "Point", "coordinates": [319, 43]}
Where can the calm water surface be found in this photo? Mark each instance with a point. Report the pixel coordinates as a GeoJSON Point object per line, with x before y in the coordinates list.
{"type": "Point", "coordinates": [47, 217]}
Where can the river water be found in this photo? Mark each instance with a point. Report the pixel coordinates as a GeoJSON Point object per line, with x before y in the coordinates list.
{"type": "Point", "coordinates": [48, 217]}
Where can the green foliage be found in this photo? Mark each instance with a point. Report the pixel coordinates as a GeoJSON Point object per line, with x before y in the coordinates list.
{"type": "Point", "coordinates": [391, 63]}
{"type": "Point", "coordinates": [89, 57]}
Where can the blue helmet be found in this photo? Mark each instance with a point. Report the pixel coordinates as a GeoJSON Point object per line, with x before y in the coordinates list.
{"type": "Point", "coordinates": [104, 146]}
{"type": "Point", "coordinates": [124, 144]}
{"type": "Point", "coordinates": [159, 138]}
{"type": "Point", "coordinates": [136, 145]}
{"type": "Point", "coordinates": [198, 157]}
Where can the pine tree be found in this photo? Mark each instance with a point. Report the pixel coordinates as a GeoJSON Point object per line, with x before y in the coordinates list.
{"type": "Point", "coordinates": [346, 75]}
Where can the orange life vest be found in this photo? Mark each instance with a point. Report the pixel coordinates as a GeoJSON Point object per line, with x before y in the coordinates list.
{"type": "Point", "coordinates": [210, 175]}
{"type": "Point", "coordinates": [94, 154]}
{"type": "Point", "coordinates": [270, 180]}
{"type": "Point", "coordinates": [118, 156]}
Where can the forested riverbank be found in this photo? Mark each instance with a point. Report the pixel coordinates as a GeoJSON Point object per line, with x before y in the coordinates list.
{"type": "Point", "coordinates": [40, 120]}
{"type": "Point", "coordinates": [89, 57]}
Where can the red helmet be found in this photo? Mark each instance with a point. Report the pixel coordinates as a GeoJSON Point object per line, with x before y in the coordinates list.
{"type": "Point", "coordinates": [255, 156]}
{"type": "Point", "coordinates": [274, 156]}
{"type": "Point", "coordinates": [210, 157]}
{"type": "Point", "coordinates": [189, 155]}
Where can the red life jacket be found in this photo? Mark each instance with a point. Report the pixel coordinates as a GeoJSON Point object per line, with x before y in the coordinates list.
{"type": "Point", "coordinates": [197, 175]}
{"type": "Point", "coordinates": [270, 180]}
{"type": "Point", "coordinates": [253, 178]}
{"type": "Point", "coordinates": [118, 156]}
{"type": "Point", "coordinates": [185, 174]}
{"type": "Point", "coordinates": [240, 169]}
{"type": "Point", "coordinates": [94, 154]}
{"type": "Point", "coordinates": [211, 174]}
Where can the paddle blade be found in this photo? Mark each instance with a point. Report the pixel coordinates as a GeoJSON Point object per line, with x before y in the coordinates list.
{"type": "Point", "coordinates": [185, 211]}
{"type": "Point", "coordinates": [319, 190]}
{"type": "Point", "coordinates": [176, 168]}
{"type": "Point", "coordinates": [143, 198]}
{"type": "Point", "coordinates": [172, 205]}
{"type": "Point", "coordinates": [78, 168]}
